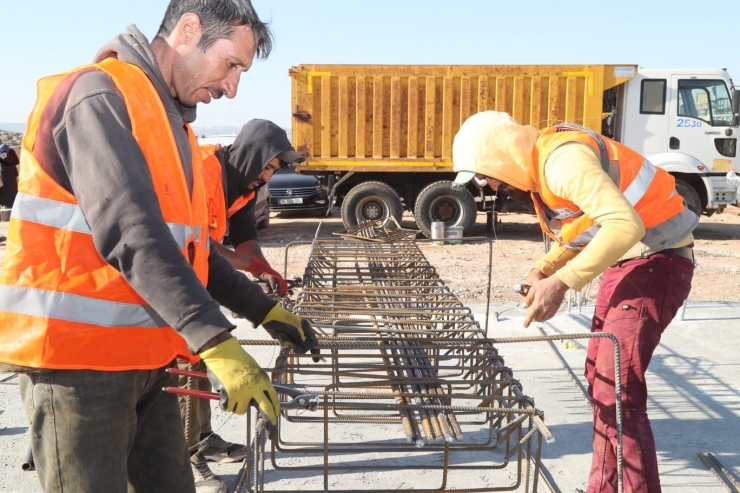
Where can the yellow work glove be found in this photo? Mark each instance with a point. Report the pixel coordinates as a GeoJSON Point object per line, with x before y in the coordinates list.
{"type": "Point", "coordinates": [240, 381]}
{"type": "Point", "coordinates": [291, 330]}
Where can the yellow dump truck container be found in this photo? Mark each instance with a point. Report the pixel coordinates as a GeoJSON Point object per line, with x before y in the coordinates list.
{"type": "Point", "coordinates": [397, 119]}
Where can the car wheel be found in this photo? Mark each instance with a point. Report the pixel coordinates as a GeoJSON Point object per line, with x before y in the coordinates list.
{"type": "Point", "coordinates": [440, 202]}
{"type": "Point", "coordinates": [370, 201]}
{"type": "Point", "coordinates": [265, 222]}
{"type": "Point", "coordinates": [690, 196]}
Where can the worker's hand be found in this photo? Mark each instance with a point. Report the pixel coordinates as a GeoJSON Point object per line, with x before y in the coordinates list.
{"type": "Point", "coordinates": [544, 299]}
{"type": "Point", "coordinates": [291, 330]}
{"type": "Point", "coordinates": [240, 381]}
{"type": "Point", "coordinates": [262, 270]}
{"type": "Point", "coordinates": [534, 276]}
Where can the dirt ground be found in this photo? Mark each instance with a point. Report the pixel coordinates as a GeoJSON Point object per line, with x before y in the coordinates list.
{"type": "Point", "coordinates": [517, 244]}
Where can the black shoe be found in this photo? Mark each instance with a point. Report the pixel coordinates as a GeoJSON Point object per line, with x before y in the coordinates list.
{"type": "Point", "coordinates": [216, 449]}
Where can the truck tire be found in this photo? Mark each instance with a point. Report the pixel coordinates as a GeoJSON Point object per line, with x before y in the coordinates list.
{"type": "Point", "coordinates": [691, 196]}
{"type": "Point", "coordinates": [440, 202]}
{"type": "Point", "coordinates": [370, 201]}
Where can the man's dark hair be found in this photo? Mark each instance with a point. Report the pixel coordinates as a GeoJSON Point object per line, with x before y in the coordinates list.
{"type": "Point", "coordinates": [218, 18]}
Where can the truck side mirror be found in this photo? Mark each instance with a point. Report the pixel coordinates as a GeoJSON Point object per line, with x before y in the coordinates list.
{"type": "Point", "coordinates": [736, 109]}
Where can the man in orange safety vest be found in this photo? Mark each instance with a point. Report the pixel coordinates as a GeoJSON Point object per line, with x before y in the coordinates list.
{"type": "Point", "coordinates": [109, 274]}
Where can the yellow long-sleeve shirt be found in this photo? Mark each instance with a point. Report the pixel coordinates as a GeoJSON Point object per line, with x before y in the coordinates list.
{"type": "Point", "coordinates": [573, 172]}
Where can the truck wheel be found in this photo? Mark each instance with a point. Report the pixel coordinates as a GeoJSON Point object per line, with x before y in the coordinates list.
{"type": "Point", "coordinates": [371, 201]}
{"type": "Point", "coordinates": [691, 196]}
{"type": "Point", "coordinates": [439, 202]}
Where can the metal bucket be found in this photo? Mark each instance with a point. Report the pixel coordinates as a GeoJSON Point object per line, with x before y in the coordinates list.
{"type": "Point", "coordinates": [438, 232]}
{"type": "Point", "coordinates": [454, 235]}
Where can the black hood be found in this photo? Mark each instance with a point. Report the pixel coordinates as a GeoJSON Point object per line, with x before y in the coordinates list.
{"type": "Point", "coordinates": [258, 143]}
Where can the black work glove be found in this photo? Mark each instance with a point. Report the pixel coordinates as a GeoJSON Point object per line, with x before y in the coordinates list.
{"type": "Point", "coordinates": [292, 331]}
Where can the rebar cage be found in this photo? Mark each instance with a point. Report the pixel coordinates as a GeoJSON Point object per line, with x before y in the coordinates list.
{"type": "Point", "coordinates": [412, 394]}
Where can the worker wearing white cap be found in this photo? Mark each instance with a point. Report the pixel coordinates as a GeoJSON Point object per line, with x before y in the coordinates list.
{"type": "Point", "coordinates": [609, 211]}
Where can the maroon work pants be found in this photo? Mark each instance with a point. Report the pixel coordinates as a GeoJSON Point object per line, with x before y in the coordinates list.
{"type": "Point", "coordinates": [637, 300]}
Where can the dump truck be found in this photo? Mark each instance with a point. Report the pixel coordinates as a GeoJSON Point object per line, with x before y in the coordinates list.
{"type": "Point", "coordinates": [381, 135]}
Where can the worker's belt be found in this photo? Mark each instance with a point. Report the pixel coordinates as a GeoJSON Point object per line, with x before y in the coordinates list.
{"type": "Point", "coordinates": [685, 251]}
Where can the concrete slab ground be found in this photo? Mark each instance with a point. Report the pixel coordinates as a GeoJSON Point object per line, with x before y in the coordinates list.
{"type": "Point", "coordinates": [694, 383]}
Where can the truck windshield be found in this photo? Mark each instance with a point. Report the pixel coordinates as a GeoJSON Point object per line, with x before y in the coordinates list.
{"type": "Point", "coordinates": [706, 100]}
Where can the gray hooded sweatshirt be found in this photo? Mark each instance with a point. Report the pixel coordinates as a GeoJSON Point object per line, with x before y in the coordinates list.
{"type": "Point", "coordinates": [85, 144]}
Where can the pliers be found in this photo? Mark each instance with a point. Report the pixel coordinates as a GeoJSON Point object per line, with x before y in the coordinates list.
{"type": "Point", "coordinates": [301, 399]}
{"type": "Point", "coordinates": [294, 283]}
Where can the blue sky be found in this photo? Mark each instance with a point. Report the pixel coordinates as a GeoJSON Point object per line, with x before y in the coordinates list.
{"type": "Point", "coordinates": [41, 37]}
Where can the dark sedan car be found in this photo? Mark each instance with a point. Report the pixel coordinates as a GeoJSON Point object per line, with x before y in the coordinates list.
{"type": "Point", "coordinates": [290, 191]}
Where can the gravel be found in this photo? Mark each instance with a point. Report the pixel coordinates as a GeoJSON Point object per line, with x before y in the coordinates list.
{"type": "Point", "coordinates": [13, 139]}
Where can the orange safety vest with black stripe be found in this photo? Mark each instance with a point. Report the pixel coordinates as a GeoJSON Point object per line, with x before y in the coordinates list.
{"type": "Point", "coordinates": [62, 306]}
{"type": "Point", "coordinates": [214, 182]}
{"type": "Point", "coordinates": [650, 190]}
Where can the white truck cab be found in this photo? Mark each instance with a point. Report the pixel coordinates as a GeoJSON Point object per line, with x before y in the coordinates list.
{"type": "Point", "coordinates": [685, 122]}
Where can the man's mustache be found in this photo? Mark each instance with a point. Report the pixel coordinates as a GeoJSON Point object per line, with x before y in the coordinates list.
{"type": "Point", "coordinates": [216, 91]}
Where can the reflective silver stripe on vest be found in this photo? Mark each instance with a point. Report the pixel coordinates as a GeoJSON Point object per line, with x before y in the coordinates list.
{"type": "Point", "coordinates": [50, 213]}
{"type": "Point", "coordinates": [636, 190]}
{"type": "Point", "coordinates": [69, 217]}
{"type": "Point", "coordinates": [198, 231]}
{"type": "Point", "coordinates": [565, 213]}
{"type": "Point", "coordinates": [182, 233]}
{"type": "Point", "coordinates": [76, 308]}
{"type": "Point", "coordinates": [585, 237]}
{"type": "Point", "coordinates": [600, 144]}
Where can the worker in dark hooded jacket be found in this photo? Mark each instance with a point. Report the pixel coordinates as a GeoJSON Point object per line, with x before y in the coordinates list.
{"type": "Point", "coordinates": [233, 175]}
{"type": "Point", "coordinates": [8, 175]}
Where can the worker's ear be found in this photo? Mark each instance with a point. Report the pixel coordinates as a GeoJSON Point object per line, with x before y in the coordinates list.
{"type": "Point", "coordinates": [187, 34]}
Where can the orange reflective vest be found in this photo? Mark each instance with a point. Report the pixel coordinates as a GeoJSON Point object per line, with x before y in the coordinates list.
{"type": "Point", "coordinates": [650, 190]}
{"type": "Point", "coordinates": [214, 182]}
{"type": "Point", "coordinates": [62, 306]}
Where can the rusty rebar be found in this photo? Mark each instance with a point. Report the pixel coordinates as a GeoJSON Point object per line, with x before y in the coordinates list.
{"type": "Point", "coordinates": [399, 347]}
